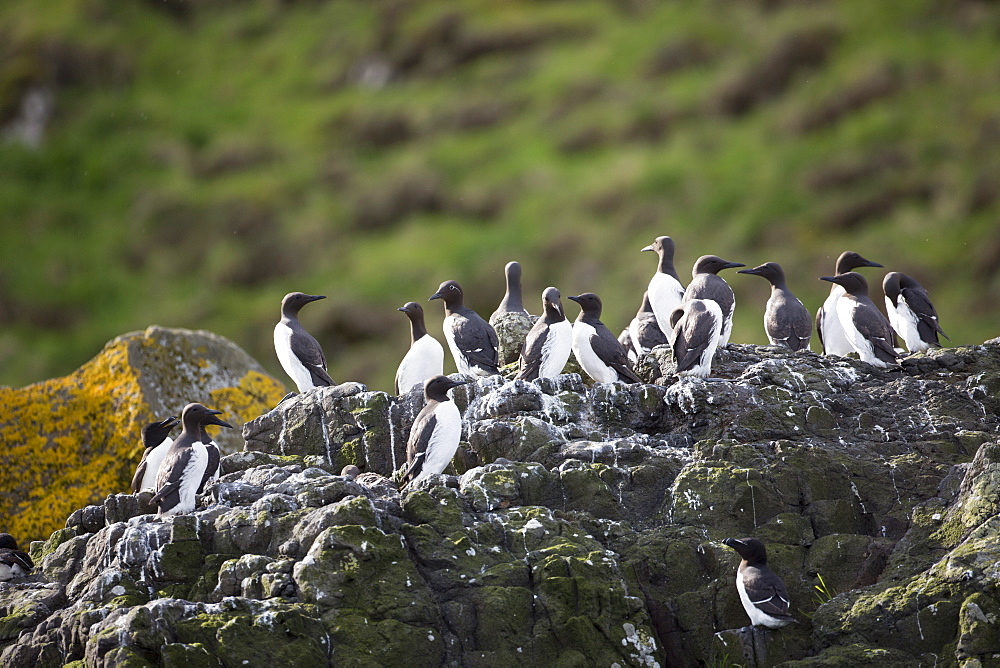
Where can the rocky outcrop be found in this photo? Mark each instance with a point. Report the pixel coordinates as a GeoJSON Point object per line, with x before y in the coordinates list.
{"type": "Point", "coordinates": [72, 441]}
{"type": "Point", "coordinates": [580, 525]}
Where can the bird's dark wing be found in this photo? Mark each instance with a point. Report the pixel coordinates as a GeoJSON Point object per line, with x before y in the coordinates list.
{"type": "Point", "coordinates": [927, 317]}
{"type": "Point", "coordinates": [308, 350]}
{"type": "Point", "coordinates": [168, 495]}
{"type": "Point", "coordinates": [874, 327]}
{"type": "Point", "coordinates": [213, 465]}
{"type": "Point", "coordinates": [650, 334]}
{"type": "Point", "coordinates": [788, 321]}
{"type": "Point", "coordinates": [766, 591]}
{"type": "Point", "coordinates": [168, 480]}
{"type": "Point", "coordinates": [694, 334]}
{"type": "Point", "coordinates": [819, 327]}
{"type": "Point", "coordinates": [710, 286]}
{"type": "Point", "coordinates": [531, 353]}
{"type": "Point", "coordinates": [477, 340]}
{"type": "Point", "coordinates": [420, 439]}
{"type": "Point", "coordinates": [11, 557]}
{"type": "Point", "coordinates": [140, 471]}
{"type": "Point", "coordinates": [612, 353]}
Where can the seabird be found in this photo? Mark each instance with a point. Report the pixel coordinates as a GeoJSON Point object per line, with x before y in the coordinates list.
{"type": "Point", "coordinates": [786, 320]}
{"type": "Point", "coordinates": [549, 342]}
{"type": "Point", "coordinates": [762, 592]}
{"type": "Point", "coordinates": [707, 284]}
{"type": "Point", "coordinates": [511, 302]}
{"type": "Point", "coordinates": [299, 353]}
{"type": "Point", "coordinates": [183, 469]}
{"type": "Point", "coordinates": [425, 358]}
{"type": "Point", "coordinates": [600, 354]}
{"type": "Point", "coordinates": [626, 340]}
{"type": "Point", "coordinates": [911, 313]}
{"type": "Point", "coordinates": [472, 341]}
{"type": "Point", "coordinates": [644, 331]}
{"type": "Point", "coordinates": [13, 562]}
{"type": "Point", "coordinates": [865, 327]}
{"type": "Point", "coordinates": [435, 433]}
{"type": "Point", "coordinates": [696, 327]}
{"type": "Point", "coordinates": [828, 328]}
{"type": "Point", "coordinates": [665, 290]}
{"type": "Point", "coordinates": [156, 441]}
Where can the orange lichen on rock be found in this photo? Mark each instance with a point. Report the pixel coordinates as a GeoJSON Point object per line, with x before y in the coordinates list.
{"type": "Point", "coordinates": [68, 442]}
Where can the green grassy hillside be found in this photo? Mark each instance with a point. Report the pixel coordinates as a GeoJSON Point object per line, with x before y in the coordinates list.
{"type": "Point", "coordinates": [200, 160]}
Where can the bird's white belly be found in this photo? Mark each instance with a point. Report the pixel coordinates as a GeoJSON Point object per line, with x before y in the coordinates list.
{"type": "Point", "coordinates": [153, 461]}
{"type": "Point", "coordinates": [665, 295]}
{"type": "Point", "coordinates": [460, 362]}
{"type": "Point", "coordinates": [757, 618]}
{"type": "Point", "coordinates": [835, 341]}
{"type": "Point", "coordinates": [859, 344]}
{"type": "Point", "coordinates": [444, 442]}
{"type": "Point", "coordinates": [906, 327]}
{"type": "Point", "coordinates": [289, 362]}
{"type": "Point", "coordinates": [11, 571]}
{"type": "Point", "coordinates": [556, 349]}
{"type": "Point", "coordinates": [588, 359]}
{"type": "Point", "coordinates": [423, 360]}
{"type": "Point", "coordinates": [191, 479]}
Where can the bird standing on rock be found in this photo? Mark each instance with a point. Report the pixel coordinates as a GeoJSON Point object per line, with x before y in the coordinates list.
{"type": "Point", "coordinates": [300, 354]}
{"type": "Point", "coordinates": [472, 341]}
{"type": "Point", "coordinates": [786, 319]}
{"type": "Point", "coordinates": [600, 354]}
{"type": "Point", "coordinates": [425, 358]}
{"type": "Point", "coordinates": [911, 313]}
{"type": "Point", "coordinates": [865, 328]}
{"type": "Point", "coordinates": [696, 327]}
{"type": "Point", "coordinates": [831, 333]}
{"type": "Point", "coordinates": [436, 432]}
{"type": "Point", "coordinates": [156, 441]}
{"type": "Point", "coordinates": [665, 291]}
{"type": "Point", "coordinates": [762, 592]}
{"type": "Point", "coordinates": [644, 330]}
{"type": "Point", "coordinates": [13, 562]}
{"type": "Point", "coordinates": [707, 284]}
{"type": "Point", "coordinates": [183, 469]}
{"type": "Point", "coordinates": [511, 302]}
{"type": "Point", "coordinates": [550, 341]}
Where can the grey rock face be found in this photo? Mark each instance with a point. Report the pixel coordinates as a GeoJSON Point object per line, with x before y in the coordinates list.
{"type": "Point", "coordinates": [582, 525]}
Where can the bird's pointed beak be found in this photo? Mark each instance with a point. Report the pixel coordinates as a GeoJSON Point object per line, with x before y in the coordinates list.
{"type": "Point", "coordinates": [436, 295]}
{"type": "Point", "coordinates": [831, 279]}
{"type": "Point", "coordinates": [733, 265]}
{"type": "Point", "coordinates": [574, 299]}
{"type": "Point", "coordinates": [314, 298]}
{"type": "Point", "coordinates": [748, 271]}
{"type": "Point", "coordinates": [731, 542]}
{"type": "Point", "coordinates": [869, 263]}
{"type": "Point", "coordinates": [647, 248]}
{"type": "Point", "coordinates": [214, 420]}
{"type": "Point", "coordinates": [401, 308]}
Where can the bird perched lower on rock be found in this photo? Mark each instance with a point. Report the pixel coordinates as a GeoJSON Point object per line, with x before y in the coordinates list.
{"type": "Point", "coordinates": [156, 441]}
{"type": "Point", "coordinates": [512, 301]}
{"type": "Point", "coordinates": [865, 328]}
{"type": "Point", "coordinates": [786, 319]}
{"type": "Point", "coordinates": [644, 329]}
{"type": "Point", "coordinates": [13, 562]}
{"type": "Point", "coordinates": [472, 341]}
{"type": "Point", "coordinates": [696, 327]}
{"type": "Point", "coordinates": [436, 432]}
{"type": "Point", "coordinates": [665, 291]}
{"type": "Point", "coordinates": [550, 341]}
{"type": "Point", "coordinates": [911, 313]}
{"type": "Point", "coordinates": [600, 354]}
{"type": "Point", "coordinates": [183, 469]}
{"type": "Point", "coordinates": [762, 592]}
{"type": "Point", "coordinates": [707, 284]}
{"type": "Point", "coordinates": [831, 333]}
{"type": "Point", "coordinates": [300, 354]}
{"type": "Point", "coordinates": [425, 358]}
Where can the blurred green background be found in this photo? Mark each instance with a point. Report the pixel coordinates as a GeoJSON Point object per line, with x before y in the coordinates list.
{"type": "Point", "coordinates": [188, 163]}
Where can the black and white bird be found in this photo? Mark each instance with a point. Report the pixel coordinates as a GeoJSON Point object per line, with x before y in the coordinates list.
{"type": "Point", "coordinates": [214, 458]}
{"type": "Point", "coordinates": [512, 301]}
{"type": "Point", "coordinates": [156, 441]}
{"type": "Point", "coordinates": [425, 358]}
{"type": "Point", "coordinates": [786, 320]}
{"type": "Point", "coordinates": [828, 327]}
{"type": "Point", "coordinates": [697, 324]}
{"type": "Point", "coordinates": [911, 313]}
{"type": "Point", "coordinates": [762, 592]}
{"type": "Point", "coordinates": [707, 284]}
{"type": "Point", "coordinates": [865, 328]}
{"type": "Point", "coordinates": [644, 329]}
{"type": "Point", "coordinates": [13, 562]}
{"type": "Point", "coordinates": [472, 341]}
{"type": "Point", "coordinates": [299, 353]}
{"type": "Point", "coordinates": [665, 290]}
{"type": "Point", "coordinates": [183, 469]}
{"type": "Point", "coordinates": [600, 354]}
{"type": "Point", "coordinates": [549, 342]}
{"type": "Point", "coordinates": [435, 433]}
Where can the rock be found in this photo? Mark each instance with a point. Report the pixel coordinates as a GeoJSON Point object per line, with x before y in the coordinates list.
{"type": "Point", "coordinates": [587, 531]}
{"type": "Point", "coordinates": [512, 329]}
{"type": "Point", "coordinates": [74, 440]}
